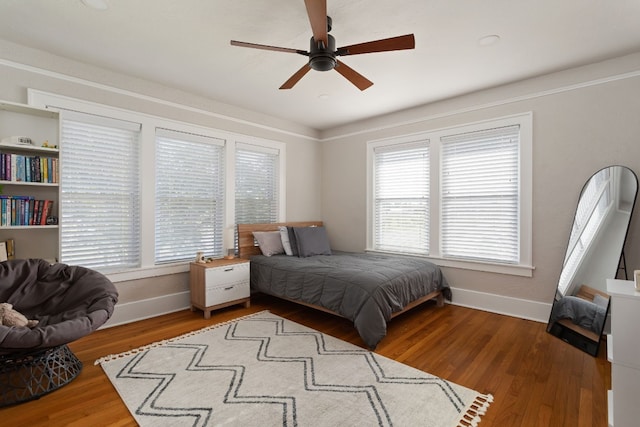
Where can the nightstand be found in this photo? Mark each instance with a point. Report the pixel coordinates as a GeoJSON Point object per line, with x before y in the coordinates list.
{"type": "Point", "coordinates": [219, 283]}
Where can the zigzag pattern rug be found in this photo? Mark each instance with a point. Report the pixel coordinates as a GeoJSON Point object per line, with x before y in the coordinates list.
{"type": "Point", "coordinates": [264, 370]}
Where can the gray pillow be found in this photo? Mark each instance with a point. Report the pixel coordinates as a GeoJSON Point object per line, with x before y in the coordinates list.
{"type": "Point", "coordinates": [270, 242]}
{"type": "Point", "coordinates": [292, 241]}
{"type": "Point", "coordinates": [601, 301]}
{"type": "Point", "coordinates": [312, 241]}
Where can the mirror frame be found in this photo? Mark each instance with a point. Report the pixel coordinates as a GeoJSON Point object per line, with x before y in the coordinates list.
{"type": "Point", "coordinates": [563, 328]}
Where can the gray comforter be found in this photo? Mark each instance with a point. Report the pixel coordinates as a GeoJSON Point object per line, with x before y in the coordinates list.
{"type": "Point", "coordinates": [365, 288]}
{"type": "Point", "coordinates": [583, 313]}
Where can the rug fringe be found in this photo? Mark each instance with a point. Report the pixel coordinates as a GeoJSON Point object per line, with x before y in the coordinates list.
{"type": "Point", "coordinates": [111, 357]}
{"type": "Point", "coordinates": [478, 407]}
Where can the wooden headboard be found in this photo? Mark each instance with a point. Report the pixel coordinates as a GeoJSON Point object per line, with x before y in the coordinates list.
{"type": "Point", "coordinates": [246, 243]}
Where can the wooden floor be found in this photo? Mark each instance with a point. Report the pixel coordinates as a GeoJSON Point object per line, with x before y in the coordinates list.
{"type": "Point", "coordinates": [536, 379]}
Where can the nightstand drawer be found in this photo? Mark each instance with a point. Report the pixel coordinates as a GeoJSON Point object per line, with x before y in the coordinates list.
{"type": "Point", "coordinates": [227, 274]}
{"type": "Point", "coordinates": [229, 292]}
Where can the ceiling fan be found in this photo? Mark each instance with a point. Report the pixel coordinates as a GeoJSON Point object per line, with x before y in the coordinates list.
{"type": "Point", "coordinates": [322, 51]}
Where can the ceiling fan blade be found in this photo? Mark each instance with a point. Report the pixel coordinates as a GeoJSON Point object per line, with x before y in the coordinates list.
{"type": "Point", "coordinates": [317, 11]}
{"type": "Point", "coordinates": [267, 47]}
{"type": "Point", "coordinates": [296, 77]}
{"type": "Point", "coordinates": [360, 81]}
{"type": "Point", "coordinates": [394, 43]}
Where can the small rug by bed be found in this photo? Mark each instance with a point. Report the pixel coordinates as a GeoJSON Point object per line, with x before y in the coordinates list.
{"type": "Point", "coordinates": [264, 370]}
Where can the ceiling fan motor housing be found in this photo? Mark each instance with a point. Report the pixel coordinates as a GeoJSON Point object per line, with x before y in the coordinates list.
{"type": "Point", "coordinates": [322, 58]}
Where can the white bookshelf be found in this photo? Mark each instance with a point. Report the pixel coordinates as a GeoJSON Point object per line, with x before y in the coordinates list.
{"type": "Point", "coordinates": [35, 240]}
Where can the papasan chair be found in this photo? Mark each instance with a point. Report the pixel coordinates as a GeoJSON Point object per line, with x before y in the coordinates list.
{"type": "Point", "coordinates": [69, 302]}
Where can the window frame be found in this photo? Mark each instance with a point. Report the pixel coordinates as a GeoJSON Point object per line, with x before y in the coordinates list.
{"type": "Point", "coordinates": [524, 266]}
{"type": "Point", "coordinates": [384, 196]}
{"type": "Point", "coordinates": [186, 190]}
{"type": "Point", "coordinates": [269, 151]}
{"type": "Point", "coordinates": [125, 183]}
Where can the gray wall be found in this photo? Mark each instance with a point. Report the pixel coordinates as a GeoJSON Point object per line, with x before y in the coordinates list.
{"type": "Point", "coordinates": [583, 119]}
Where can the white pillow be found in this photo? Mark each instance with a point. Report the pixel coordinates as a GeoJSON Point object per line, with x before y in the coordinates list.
{"type": "Point", "coordinates": [284, 236]}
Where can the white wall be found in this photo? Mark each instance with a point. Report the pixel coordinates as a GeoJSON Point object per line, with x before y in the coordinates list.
{"type": "Point", "coordinates": [583, 119]}
{"type": "Point", "coordinates": [23, 68]}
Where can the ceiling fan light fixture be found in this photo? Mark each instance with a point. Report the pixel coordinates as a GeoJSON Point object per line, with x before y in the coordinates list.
{"type": "Point", "coordinates": [96, 4]}
{"type": "Point", "coordinates": [488, 40]}
{"type": "Point", "coordinates": [322, 62]}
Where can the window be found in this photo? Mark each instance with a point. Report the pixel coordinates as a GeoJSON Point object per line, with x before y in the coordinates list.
{"type": "Point", "coordinates": [100, 193]}
{"type": "Point", "coordinates": [257, 184]}
{"type": "Point", "coordinates": [402, 198]}
{"type": "Point", "coordinates": [189, 196]}
{"type": "Point", "coordinates": [480, 194]}
{"type": "Point", "coordinates": [460, 196]}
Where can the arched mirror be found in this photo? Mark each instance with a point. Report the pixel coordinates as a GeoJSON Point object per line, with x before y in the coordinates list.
{"type": "Point", "coordinates": [594, 254]}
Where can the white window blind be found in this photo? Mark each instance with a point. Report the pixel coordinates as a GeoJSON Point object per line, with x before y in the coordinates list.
{"type": "Point", "coordinates": [189, 204]}
{"type": "Point", "coordinates": [257, 184]}
{"type": "Point", "coordinates": [401, 186]}
{"type": "Point", "coordinates": [480, 195]}
{"type": "Point", "coordinates": [100, 194]}
{"type": "Point", "coordinates": [595, 201]}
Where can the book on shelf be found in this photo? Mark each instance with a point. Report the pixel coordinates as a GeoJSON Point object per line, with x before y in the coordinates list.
{"type": "Point", "coordinates": [11, 248]}
{"type": "Point", "coordinates": [24, 210]}
{"type": "Point", "coordinates": [7, 250]}
{"type": "Point", "coordinates": [20, 168]}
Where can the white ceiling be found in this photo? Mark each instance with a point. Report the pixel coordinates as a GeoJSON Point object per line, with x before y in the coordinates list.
{"type": "Point", "coordinates": [185, 44]}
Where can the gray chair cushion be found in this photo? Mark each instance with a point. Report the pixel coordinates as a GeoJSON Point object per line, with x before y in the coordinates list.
{"type": "Point", "coordinates": [69, 301]}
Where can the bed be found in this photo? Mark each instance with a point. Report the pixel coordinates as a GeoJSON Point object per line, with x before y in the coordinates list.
{"type": "Point", "coordinates": [367, 288]}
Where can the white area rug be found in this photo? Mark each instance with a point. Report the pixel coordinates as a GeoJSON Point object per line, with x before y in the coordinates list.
{"type": "Point", "coordinates": [263, 370]}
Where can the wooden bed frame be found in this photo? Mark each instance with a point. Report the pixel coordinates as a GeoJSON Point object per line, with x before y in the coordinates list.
{"type": "Point", "coordinates": [247, 247]}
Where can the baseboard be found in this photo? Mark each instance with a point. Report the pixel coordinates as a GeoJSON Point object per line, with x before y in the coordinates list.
{"type": "Point", "coordinates": [148, 308]}
{"type": "Point", "coordinates": [515, 307]}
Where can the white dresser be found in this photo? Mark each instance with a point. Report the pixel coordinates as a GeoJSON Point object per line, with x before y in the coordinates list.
{"type": "Point", "coordinates": [623, 351]}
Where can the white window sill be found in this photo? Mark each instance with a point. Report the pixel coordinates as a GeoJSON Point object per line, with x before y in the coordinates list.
{"type": "Point", "coordinates": [146, 272]}
{"type": "Point", "coordinates": [513, 270]}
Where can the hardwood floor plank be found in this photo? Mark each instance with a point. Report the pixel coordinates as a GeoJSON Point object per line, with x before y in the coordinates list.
{"type": "Point", "coordinates": [536, 379]}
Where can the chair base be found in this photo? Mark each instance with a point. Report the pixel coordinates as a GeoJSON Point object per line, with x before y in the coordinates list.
{"type": "Point", "coordinates": [28, 376]}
